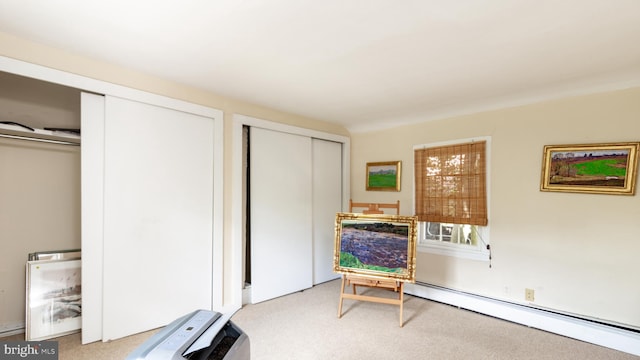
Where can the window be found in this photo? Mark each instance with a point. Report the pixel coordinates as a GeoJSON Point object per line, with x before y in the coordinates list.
{"type": "Point", "coordinates": [451, 201]}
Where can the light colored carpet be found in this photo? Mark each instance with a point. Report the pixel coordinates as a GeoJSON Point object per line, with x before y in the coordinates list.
{"type": "Point", "coordinates": [71, 348]}
{"type": "Point", "coordinates": [305, 325]}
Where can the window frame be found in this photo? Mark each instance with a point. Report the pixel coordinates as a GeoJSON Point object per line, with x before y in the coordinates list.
{"type": "Point", "coordinates": [463, 251]}
{"type": "Point", "coordinates": [481, 250]}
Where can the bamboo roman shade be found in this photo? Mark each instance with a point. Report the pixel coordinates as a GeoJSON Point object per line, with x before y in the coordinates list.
{"type": "Point", "coordinates": [451, 184]}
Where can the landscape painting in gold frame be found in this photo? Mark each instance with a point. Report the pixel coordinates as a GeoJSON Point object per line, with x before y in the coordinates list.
{"type": "Point", "coordinates": [384, 176]}
{"type": "Point", "coordinates": [379, 246]}
{"type": "Point", "coordinates": [608, 168]}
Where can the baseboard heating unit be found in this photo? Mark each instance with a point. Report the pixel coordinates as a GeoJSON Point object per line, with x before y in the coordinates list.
{"type": "Point", "coordinates": [200, 335]}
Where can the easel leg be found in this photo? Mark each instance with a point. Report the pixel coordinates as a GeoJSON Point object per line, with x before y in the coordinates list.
{"type": "Point", "coordinates": [401, 297]}
{"type": "Point", "coordinates": [383, 284]}
{"type": "Point", "coordinates": [341, 292]}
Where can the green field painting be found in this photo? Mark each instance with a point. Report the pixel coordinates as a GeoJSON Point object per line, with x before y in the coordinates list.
{"type": "Point", "coordinates": [382, 180]}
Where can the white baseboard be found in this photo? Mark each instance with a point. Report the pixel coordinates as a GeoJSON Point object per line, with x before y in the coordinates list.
{"type": "Point", "coordinates": [9, 329]}
{"type": "Point", "coordinates": [246, 294]}
{"type": "Point", "coordinates": [589, 331]}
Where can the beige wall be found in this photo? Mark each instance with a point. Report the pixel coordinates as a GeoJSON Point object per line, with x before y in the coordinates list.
{"type": "Point", "coordinates": [577, 251]}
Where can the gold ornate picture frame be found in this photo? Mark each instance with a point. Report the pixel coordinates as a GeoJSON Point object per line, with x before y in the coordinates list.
{"type": "Point", "coordinates": [382, 246]}
{"type": "Point", "coordinates": [606, 168]}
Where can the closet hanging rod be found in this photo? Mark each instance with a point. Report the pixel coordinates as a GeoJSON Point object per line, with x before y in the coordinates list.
{"type": "Point", "coordinates": [50, 141]}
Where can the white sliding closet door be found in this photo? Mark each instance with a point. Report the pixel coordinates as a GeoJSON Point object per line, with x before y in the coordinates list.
{"type": "Point", "coordinates": [158, 216]}
{"type": "Point", "coordinates": [280, 193]}
{"type": "Point", "coordinates": [92, 199]}
{"type": "Point", "coordinates": [327, 201]}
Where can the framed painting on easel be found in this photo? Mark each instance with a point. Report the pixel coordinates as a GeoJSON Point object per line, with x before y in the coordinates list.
{"type": "Point", "coordinates": [375, 251]}
{"type": "Point", "coordinates": [377, 245]}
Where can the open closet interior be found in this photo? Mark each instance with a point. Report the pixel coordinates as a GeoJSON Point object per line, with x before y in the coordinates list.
{"type": "Point", "coordinates": [39, 182]}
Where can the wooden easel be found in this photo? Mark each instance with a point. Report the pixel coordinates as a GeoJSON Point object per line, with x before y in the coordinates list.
{"type": "Point", "coordinates": [372, 282]}
{"type": "Point", "coordinates": [390, 284]}
{"type": "Point", "coordinates": [374, 208]}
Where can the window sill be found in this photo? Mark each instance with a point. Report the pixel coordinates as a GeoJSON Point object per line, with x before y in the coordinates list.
{"type": "Point", "coordinates": [458, 251]}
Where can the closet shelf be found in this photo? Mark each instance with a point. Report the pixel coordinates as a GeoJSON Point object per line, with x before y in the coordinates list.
{"type": "Point", "coordinates": [42, 134]}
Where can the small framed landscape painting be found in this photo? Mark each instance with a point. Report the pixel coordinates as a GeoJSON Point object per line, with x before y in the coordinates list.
{"type": "Point", "coordinates": [376, 246]}
{"type": "Point", "coordinates": [608, 168]}
{"type": "Point", "coordinates": [384, 176]}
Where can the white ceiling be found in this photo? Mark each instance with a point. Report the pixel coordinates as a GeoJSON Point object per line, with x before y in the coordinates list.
{"type": "Point", "coordinates": [365, 64]}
